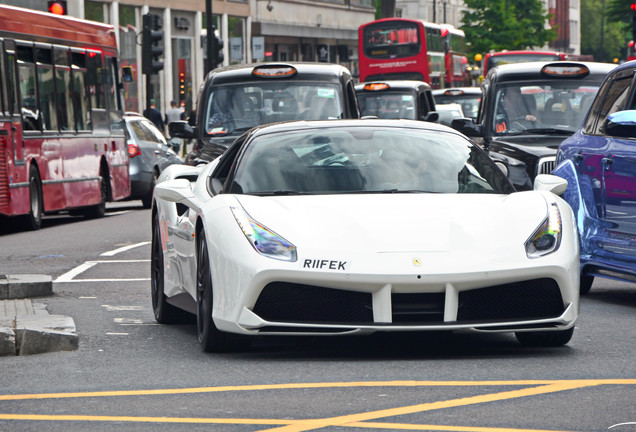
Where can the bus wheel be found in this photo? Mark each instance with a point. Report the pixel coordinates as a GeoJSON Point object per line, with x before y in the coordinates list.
{"type": "Point", "coordinates": [99, 210]}
{"type": "Point", "coordinates": [33, 220]}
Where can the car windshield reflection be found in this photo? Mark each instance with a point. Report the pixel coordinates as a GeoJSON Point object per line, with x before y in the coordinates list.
{"type": "Point", "coordinates": [360, 160]}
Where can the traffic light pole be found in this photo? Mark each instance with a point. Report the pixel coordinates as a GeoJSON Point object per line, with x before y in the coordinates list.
{"type": "Point", "coordinates": [210, 62]}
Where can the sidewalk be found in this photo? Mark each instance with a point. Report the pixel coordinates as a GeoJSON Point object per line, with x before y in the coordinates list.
{"type": "Point", "coordinates": [27, 327]}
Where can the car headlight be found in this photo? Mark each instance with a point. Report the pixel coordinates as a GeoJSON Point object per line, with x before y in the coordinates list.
{"type": "Point", "coordinates": [263, 240]}
{"type": "Point", "coordinates": [547, 238]}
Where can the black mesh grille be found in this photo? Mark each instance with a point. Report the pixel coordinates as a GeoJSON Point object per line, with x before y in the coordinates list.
{"type": "Point", "coordinates": [288, 302]}
{"type": "Point", "coordinates": [417, 307]}
{"type": "Point", "coordinates": [533, 299]}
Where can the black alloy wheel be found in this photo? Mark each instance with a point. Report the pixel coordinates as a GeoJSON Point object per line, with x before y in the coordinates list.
{"type": "Point", "coordinates": [164, 312]}
{"type": "Point", "coordinates": [211, 339]}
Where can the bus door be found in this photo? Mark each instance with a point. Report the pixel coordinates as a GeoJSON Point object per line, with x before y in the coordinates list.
{"type": "Point", "coordinates": [117, 155]}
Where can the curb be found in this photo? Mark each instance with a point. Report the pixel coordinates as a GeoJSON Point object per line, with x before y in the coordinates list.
{"type": "Point", "coordinates": [26, 327]}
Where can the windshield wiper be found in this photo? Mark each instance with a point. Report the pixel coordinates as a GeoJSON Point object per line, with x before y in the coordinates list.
{"type": "Point", "coordinates": [278, 193]}
{"type": "Point", "coordinates": [550, 131]}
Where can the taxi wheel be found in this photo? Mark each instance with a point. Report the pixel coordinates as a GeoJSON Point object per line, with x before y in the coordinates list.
{"type": "Point", "coordinates": [545, 338]}
{"type": "Point", "coordinates": [164, 312]}
{"type": "Point", "coordinates": [211, 339]}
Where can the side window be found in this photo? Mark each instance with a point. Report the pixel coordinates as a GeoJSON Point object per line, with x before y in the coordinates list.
{"type": "Point", "coordinates": [46, 88]}
{"type": "Point", "coordinates": [113, 94]}
{"type": "Point", "coordinates": [80, 95]}
{"type": "Point", "coordinates": [151, 133]}
{"type": "Point", "coordinates": [26, 77]}
{"type": "Point", "coordinates": [63, 89]}
{"type": "Point", "coordinates": [12, 91]}
{"type": "Point", "coordinates": [611, 98]}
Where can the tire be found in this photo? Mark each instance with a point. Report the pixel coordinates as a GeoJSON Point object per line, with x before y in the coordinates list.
{"type": "Point", "coordinates": [33, 221]}
{"type": "Point", "coordinates": [210, 338]}
{"type": "Point", "coordinates": [586, 283]}
{"type": "Point", "coordinates": [147, 199]}
{"type": "Point", "coordinates": [164, 313]}
{"type": "Point", "coordinates": [545, 338]}
{"type": "Point", "coordinates": [99, 210]}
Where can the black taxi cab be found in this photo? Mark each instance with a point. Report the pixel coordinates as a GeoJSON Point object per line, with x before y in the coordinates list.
{"type": "Point", "coordinates": [528, 109]}
{"type": "Point", "coordinates": [234, 99]}
{"type": "Point", "coordinates": [399, 99]}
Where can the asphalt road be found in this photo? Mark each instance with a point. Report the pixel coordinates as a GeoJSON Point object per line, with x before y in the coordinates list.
{"type": "Point", "coordinates": [132, 374]}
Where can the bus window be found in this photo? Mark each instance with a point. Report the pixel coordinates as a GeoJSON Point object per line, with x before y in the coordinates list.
{"type": "Point", "coordinates": [26, 73]}
{"type": "Point", "coordinates": [46, 88]}
{"type": "Point", "coordinates": [81, 98]}
{"type": "Point", "coordinates": [96, 78]}
{"type": "Point", "coordinates": [115, 102]}
{"type": "Point", "coordinates": [63, 89]}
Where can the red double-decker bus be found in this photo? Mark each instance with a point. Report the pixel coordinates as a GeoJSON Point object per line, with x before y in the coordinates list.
{"type": "Point", "coordinates": [456, 62]}
{"type": "Point", "coordinates": [62, 143]}
{"type": "Point", "coordinates": [401, 49]}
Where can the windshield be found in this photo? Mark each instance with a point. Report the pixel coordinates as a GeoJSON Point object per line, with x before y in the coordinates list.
{"type": "Point", "coordinates": [366, 160]}
{"type": "Point", "coordinates": [239, 107]}
{"type": "Point", "coordinates": [388, 105]}
{"type": "Point", "coordinates": [545, 107]}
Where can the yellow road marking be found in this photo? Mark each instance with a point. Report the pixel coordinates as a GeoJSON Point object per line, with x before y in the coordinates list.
{"type": "Point", "coordinates": [360, 420]}
{"type": "Point", "coordinates": [157, 392]}
{"type": "Point", "coordinates": [373, 415]}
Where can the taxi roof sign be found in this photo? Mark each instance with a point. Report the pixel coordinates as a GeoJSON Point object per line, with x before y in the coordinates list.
{"type": "Point", "coordinates": [565, 70]}
{"type": "Point", "coordinates": [376, 86]}
{"type": "Point", "coordinates": [274, 71]}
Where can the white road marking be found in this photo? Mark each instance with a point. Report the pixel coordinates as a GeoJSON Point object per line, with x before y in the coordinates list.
{"type": "Point", "coordinates": [69, 276]}
{"type": "Point", "coordinates": [124, 249]}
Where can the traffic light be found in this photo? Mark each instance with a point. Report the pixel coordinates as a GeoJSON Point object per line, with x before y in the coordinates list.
{"type": "Point", "coordinates": [57, 7]}
{"type": "Point", "coordinates": [151, 50]}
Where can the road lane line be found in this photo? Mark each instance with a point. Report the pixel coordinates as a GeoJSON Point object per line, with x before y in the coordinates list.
{"type": "Point", "coordinates": [355, 419]}
{"type": "Point", "coordinates": [51, 417]}
{"type": "Point", "coordinates": [69, 275]}
{"type": "Point", "coordinates": [289, 386]}
{"type": "Point", "coordinates": [124, 249]}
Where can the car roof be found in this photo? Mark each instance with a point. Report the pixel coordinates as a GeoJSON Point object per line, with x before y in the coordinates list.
{"type": "Point", "coordinates": [532, 70]}
{"type": "Point", "coordinates": [394, 84]}
{"type": "Point", "coordinates": [451, 90]}
{"type": "Point", "coordinates": [301, 125]}
{"type": "Point", "coordinates": [305, 70]}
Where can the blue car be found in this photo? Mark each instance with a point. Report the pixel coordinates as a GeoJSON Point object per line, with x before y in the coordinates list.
{"type": "Point", "coordinates": [599, 163]}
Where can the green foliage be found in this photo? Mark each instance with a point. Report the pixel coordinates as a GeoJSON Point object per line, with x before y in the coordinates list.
{"type": "Point", "coordinates": [505, 24]}
{"type": "Point", "coordinates": [605, 32]}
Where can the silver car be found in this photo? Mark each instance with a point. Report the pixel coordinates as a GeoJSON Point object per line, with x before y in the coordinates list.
{"type": "Point", "coordinates": [149, 154]}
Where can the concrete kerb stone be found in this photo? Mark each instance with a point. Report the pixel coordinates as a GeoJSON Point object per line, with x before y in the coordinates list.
{"type": "Point", "coordinates": [26, 327]}
{"type": "Point", "coordinates": [24, 286]}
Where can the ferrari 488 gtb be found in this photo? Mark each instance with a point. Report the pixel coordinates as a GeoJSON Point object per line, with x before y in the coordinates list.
{"type": "Point", "coordinates": [357, 226]}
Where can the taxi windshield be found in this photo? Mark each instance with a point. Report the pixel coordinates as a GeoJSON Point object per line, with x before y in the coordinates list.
{"type": "Point", "coordinates": [388, 104]}
{"type": "Point", "coordinates": [241, 106]}
{"type": "Point", "coordinates": [557, 107]}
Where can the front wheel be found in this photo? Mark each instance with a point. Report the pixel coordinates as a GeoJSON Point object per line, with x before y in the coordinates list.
{"type": "Point", "coordinates": [33, 220]}
{"type": "Point", "coordinates": [211, 339]}
{"type": "Point", "coordinates": [99, 210]}
{"type": "Point", "coordinates": [586, 284]}
{"type": "Point", "coordinates": [164, 312]}
{"type": "Point", "coordinates": [545, 338]}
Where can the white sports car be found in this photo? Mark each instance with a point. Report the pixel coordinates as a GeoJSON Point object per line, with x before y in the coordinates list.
{"type": "Point", "coordinates": [357, 226]}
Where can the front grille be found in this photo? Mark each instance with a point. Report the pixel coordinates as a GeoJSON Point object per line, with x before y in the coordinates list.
{"type": "Point", "coordinates": [417, 308]}
{"type": "Point", "coordinates": [533, 299]}
{"type": "Point", "coordinates": [289, 302]}
{"type": "Point", "coordinates": [546, 165]}
{"type": "Point", "coordinates": [297, 303]}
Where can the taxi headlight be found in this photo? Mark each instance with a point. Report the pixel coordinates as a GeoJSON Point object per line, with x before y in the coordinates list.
{"type": "Point", "coordinates": [263, 240]}
{"type": "Point", "coordinates": [547, 238]}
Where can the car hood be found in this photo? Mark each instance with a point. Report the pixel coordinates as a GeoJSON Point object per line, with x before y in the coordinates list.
{"type": "Point", "coordinates": [537, 145]}
{"type": "Point", "coordinates": [468, 224]}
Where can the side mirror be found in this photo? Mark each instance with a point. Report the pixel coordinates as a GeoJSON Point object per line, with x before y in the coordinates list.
{"type": "Point", "coordinates": [127, 74]}
{"type": "Point", "coordinates": [621, 124]}
{"type": "Point", "coordinates": [467, 126]}
{"type": "Point", "coordinates": [550, 183]}
{"type": "Point", "coordinates": [431, 116]}
{"type": "Point", "coordinates": [181, 129]}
